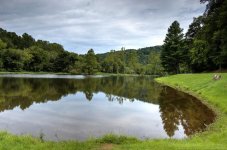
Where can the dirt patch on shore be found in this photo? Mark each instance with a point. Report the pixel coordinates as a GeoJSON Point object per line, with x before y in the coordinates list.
{"type": "Point", "coordinates": [107, 147]}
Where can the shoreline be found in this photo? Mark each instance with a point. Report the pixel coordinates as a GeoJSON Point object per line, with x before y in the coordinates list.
{"type": "Point", "coordinates": [196, 95]}
{"type": "Point", "coordinates": [200, 86]}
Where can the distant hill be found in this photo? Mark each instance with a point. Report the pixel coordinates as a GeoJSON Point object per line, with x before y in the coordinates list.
{"type": "Point", "coordinates": [142, 53]}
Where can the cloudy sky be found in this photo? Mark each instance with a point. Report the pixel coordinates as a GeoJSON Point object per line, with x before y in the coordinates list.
{"type": "Point", "coordinates": [99, 24]}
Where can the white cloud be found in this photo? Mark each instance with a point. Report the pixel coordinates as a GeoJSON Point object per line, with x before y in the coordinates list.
{"type": "Point", "coordinates": [100, 24]}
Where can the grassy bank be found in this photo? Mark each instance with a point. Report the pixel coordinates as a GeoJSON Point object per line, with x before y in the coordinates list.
{"type": "Point", "coordinates": [214, 93]}
{"type": "Point", "coordinates": [23, 142]}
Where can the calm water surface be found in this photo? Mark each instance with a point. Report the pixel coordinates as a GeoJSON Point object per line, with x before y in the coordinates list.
{"type": "Point", "coordinates": [78, 107]}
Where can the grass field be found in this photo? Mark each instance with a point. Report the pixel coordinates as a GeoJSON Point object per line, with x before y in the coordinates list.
{"type": "Point", "coordinates": [214, 93]}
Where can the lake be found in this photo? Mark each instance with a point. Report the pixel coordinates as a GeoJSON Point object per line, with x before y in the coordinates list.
{"type": "Point", "coordinates": [65, 107]}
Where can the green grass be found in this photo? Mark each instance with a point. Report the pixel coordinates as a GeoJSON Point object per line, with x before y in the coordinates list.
{"type": "Point", "coordinates": [213, 93]}
{"type": "Point", "coordinates": [202, 86]}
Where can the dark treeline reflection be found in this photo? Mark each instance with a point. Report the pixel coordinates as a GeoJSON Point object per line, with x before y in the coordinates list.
{"type": "Point", "coordinates": [24, 92]}
{"type": "Point", "coordinates": [176, 108]}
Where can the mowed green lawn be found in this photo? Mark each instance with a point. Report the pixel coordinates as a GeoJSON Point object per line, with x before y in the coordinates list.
{"type": "Point", "coordinates": [214, 93]}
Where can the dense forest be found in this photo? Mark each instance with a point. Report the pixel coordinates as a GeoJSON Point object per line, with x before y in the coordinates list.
{"type": "Point", "coordinates": [24, 53]}
{"type": "Point", "coordinates": [202, 48]}
{"type": "Point", "coordinates": [142, 61]}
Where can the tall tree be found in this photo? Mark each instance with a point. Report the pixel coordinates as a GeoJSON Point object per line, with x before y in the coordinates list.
{"type": "Point", "coordinates": [27, 40]}
{"type": "Point", "coordinates": [199, 55]}
{"type": "Point", "coordinates": [195, 32]}
{"type": "Point", "coordinates": [91, 63]}
{"type": "Point", "coordinates": [154, 67]}
{"type": "Point", "coordinates": [195, 28]}
{"type": "Point", "coordinates": [2, 46]}
{"type": "Point", "coordinates": [173, 49]}
{"type": "Point", "coordinates": [133, 62]}
{"type": "Point", "coordinates": [220, 38]}
{"type": "Point", "coordinates": [65, 62]}
{"type": "Point", "coordinates": [214, 33]}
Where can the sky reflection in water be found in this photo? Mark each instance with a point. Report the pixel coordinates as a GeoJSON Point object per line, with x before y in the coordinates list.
{"type": "Point", "coordinates": [80, 108]}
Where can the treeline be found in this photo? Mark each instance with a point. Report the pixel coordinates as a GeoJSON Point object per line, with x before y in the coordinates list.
{"type": "Point", "coordinates": [142, 61]}
{"type": "Point", "coordinates": [24, 53]}
{"type": "Point", "coordinates": [203, 47]}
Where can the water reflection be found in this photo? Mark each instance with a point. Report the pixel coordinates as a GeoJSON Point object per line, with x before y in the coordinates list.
{"type": "Point", "coordinates": [178, 108]}
{"type": "Point", "coordinates": [24, 92]}
{"type": "Point", "coordinates": [155, 109]}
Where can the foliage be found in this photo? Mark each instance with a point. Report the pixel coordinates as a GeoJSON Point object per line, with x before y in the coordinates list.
{"type": "Point", "coordinates": [171, 55]}
{"type": "Point", "coordinates": [199, 55]}
{"type": "Point", "coordinates": [2, 44]}
{"type": "Point", "coordinates": [112, 63]}
{"type": "Point", "coordinates": [43, 56]}
{"type": "Point", "coordinates": [91, 63]}
{"type": "Point", "coordinates": [204, 47]}
{"type": "Point", "coordinates": [12, 59]}
{"type": "Point", "coordinates": [132, 61]}
{"type": "Point", "coordinates": [154, 64]}
{"type": "Point", "coordinates": [24, 53]}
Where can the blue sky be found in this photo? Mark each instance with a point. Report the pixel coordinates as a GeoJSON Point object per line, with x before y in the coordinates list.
{"type": "Point", "coordinates": [99, 24]}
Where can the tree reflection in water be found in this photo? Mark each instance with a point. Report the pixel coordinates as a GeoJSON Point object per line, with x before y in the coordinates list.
{"type": "Point", "coordinates": [176, 108]}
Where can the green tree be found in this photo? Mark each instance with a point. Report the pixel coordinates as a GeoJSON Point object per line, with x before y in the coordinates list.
{"type": "Point", "coordinates": [213, 33]}
{"type": "Point", "coordinates": [65, 62]}
{"type": "Point", "coordinates": [195, 29]}
{"type": "Point", "coordinates": [108, 64]}
{"type": "Point", "coordinates": [39, 59]}
{"type": "Point", "coordinates": [220, 38]}
{"type": "Point", "coordinates": [113, 63]}
{"type": "Point", "coordinates": [27, 40]}
{"type": "Point", "coordinates": [13, 59]}
{"type": "Point", "coordinates": [172, 51]}
{"type": "Point", "coordinates": [154, 66]}
{"type": "Point", "coordinates": [2, 44]}
{"type": "Point", "coordinates": [91, 63]}
{"type": "Point", "coordinates": [78, 65]}
{"type": "Point", "coordinates": [133, 62]}
{"type": "Point", "coordinates": [199, 55]}
{"type": "Point", "coordinates": [195, 32]}
{"type": "Point", "coordinates": [123, 60]}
